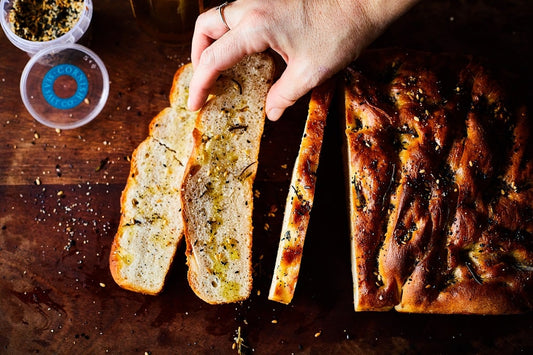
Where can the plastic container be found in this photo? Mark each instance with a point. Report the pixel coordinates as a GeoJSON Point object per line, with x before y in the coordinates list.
{"type": "Point", "coordinates": [64, 86]}
{"type": "Point", "coordinates": [31, 47]}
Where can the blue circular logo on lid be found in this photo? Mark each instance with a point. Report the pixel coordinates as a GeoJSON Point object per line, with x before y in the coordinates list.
{"type": "Point", "coordinates": [50, 78]}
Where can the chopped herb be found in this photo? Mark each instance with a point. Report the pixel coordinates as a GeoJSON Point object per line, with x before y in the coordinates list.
{"type": "Point", "coordinates": [475, 276]}
{"type": "Point", "coordinates": [238, 86]}
{"type": "Point", "coordinates": [233, 128]}
{"type": "Point", "coordinates": [244, 170]}
{"type": "Point", "coordinates": [103, 163]}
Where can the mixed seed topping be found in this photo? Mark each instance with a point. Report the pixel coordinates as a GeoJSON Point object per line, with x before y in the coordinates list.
{"type": "Point", "coordinates": [44, 20]}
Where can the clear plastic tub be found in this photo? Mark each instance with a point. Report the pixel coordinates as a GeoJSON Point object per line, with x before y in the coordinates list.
{"type": "Point", "coordinates": [32, 47]}
{"type": "Point", "coordinates": [64, 86]}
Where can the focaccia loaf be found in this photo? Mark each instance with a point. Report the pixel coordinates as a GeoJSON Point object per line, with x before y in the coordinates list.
{"type": "Point", "coordinates": [440, 177]}
{"type": "Point", "coordinates": [300, 197]}
{"type": "Point", "coordinates": [217, 188]}
{"type": "Point", "coordinates": [151, 224]}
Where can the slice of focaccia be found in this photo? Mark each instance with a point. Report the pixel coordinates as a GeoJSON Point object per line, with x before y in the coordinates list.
{"type": "Point", "coordinates": [440, 178]}
{"type": "Point", "coordinates": [300, 197]}
{"type": "Point", "coordinates": [151, 224]}
{"type": "Point", "coordinates": [217, 188]}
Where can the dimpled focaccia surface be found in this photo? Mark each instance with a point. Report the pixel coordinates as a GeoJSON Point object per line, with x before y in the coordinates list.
{"type": "Point", "coordinates": [440, 184]}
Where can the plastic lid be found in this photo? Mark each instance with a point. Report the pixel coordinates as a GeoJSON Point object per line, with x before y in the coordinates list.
{"type": "Point", "coordinates": [31, 47]}
{"type": "Point", "coordinates": [64, 86]}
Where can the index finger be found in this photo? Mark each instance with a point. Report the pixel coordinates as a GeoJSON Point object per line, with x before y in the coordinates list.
{"type": "Point", "coordinates": [214, 59]}
{"type": "Point", "coordinates": [207, 29]}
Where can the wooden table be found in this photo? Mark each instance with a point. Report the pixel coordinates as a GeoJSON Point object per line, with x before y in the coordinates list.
{"type": "Point", "coordinates": [59, 209]}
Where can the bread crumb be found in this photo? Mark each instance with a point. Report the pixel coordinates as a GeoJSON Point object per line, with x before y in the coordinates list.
{"type": "Point", "coordinates": [272, 211]}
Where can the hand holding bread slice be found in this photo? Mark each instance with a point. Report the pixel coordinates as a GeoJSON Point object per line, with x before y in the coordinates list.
{"type": "Point", "coordinates": [194, 174]}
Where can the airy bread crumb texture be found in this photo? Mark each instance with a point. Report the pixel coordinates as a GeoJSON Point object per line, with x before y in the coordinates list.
{"type": "Point", "coordinates": [151, 225]}
{"type": "Point", "coordinates": [217, 190]}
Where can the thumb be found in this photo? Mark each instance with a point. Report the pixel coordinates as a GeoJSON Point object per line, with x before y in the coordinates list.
{"type": "Point", "coordinates": [294, 83]}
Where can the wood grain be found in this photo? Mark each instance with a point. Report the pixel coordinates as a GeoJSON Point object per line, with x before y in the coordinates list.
{"type": "Point", "coordinates": [56, 293]}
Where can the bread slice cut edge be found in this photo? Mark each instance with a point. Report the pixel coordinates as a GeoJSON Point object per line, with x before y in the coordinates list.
{"type": "Point", "coordinates": [300, 197]}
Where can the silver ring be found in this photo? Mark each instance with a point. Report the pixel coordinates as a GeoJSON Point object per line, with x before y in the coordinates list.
{"type": "Point", "coordinates": [220, 9]}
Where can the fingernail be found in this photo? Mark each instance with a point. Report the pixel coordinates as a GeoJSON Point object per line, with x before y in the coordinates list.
{"type": "Point", "coordinates": [189, 106]}
{"type": "Point", "coordinates": [274, 114]}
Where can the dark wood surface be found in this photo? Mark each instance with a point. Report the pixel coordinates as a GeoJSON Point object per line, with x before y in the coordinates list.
{"type": "Point", "coordinates": [56, 293]}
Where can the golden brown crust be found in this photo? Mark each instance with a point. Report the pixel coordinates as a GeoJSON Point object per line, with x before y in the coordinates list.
{"type": "Point", "coordinates": [441, 187]}
{"type": "Point", "coordinates": [116, 262]}
{"type": "Point", "coordinates": [300, 197]}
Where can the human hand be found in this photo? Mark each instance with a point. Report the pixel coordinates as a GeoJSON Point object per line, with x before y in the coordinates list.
{"type": "Point", "coordinates": [315, 38]}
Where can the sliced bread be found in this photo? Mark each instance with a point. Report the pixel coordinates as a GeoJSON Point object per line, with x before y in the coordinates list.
{"type": "Point", "coordinates": [439, 173]}
{"type": "Point", "coordinates": [151, 224]}
{"type": "Point", "coordinates": [217, 188]}
{"type": "Point", "coordinates": [300, 197]}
